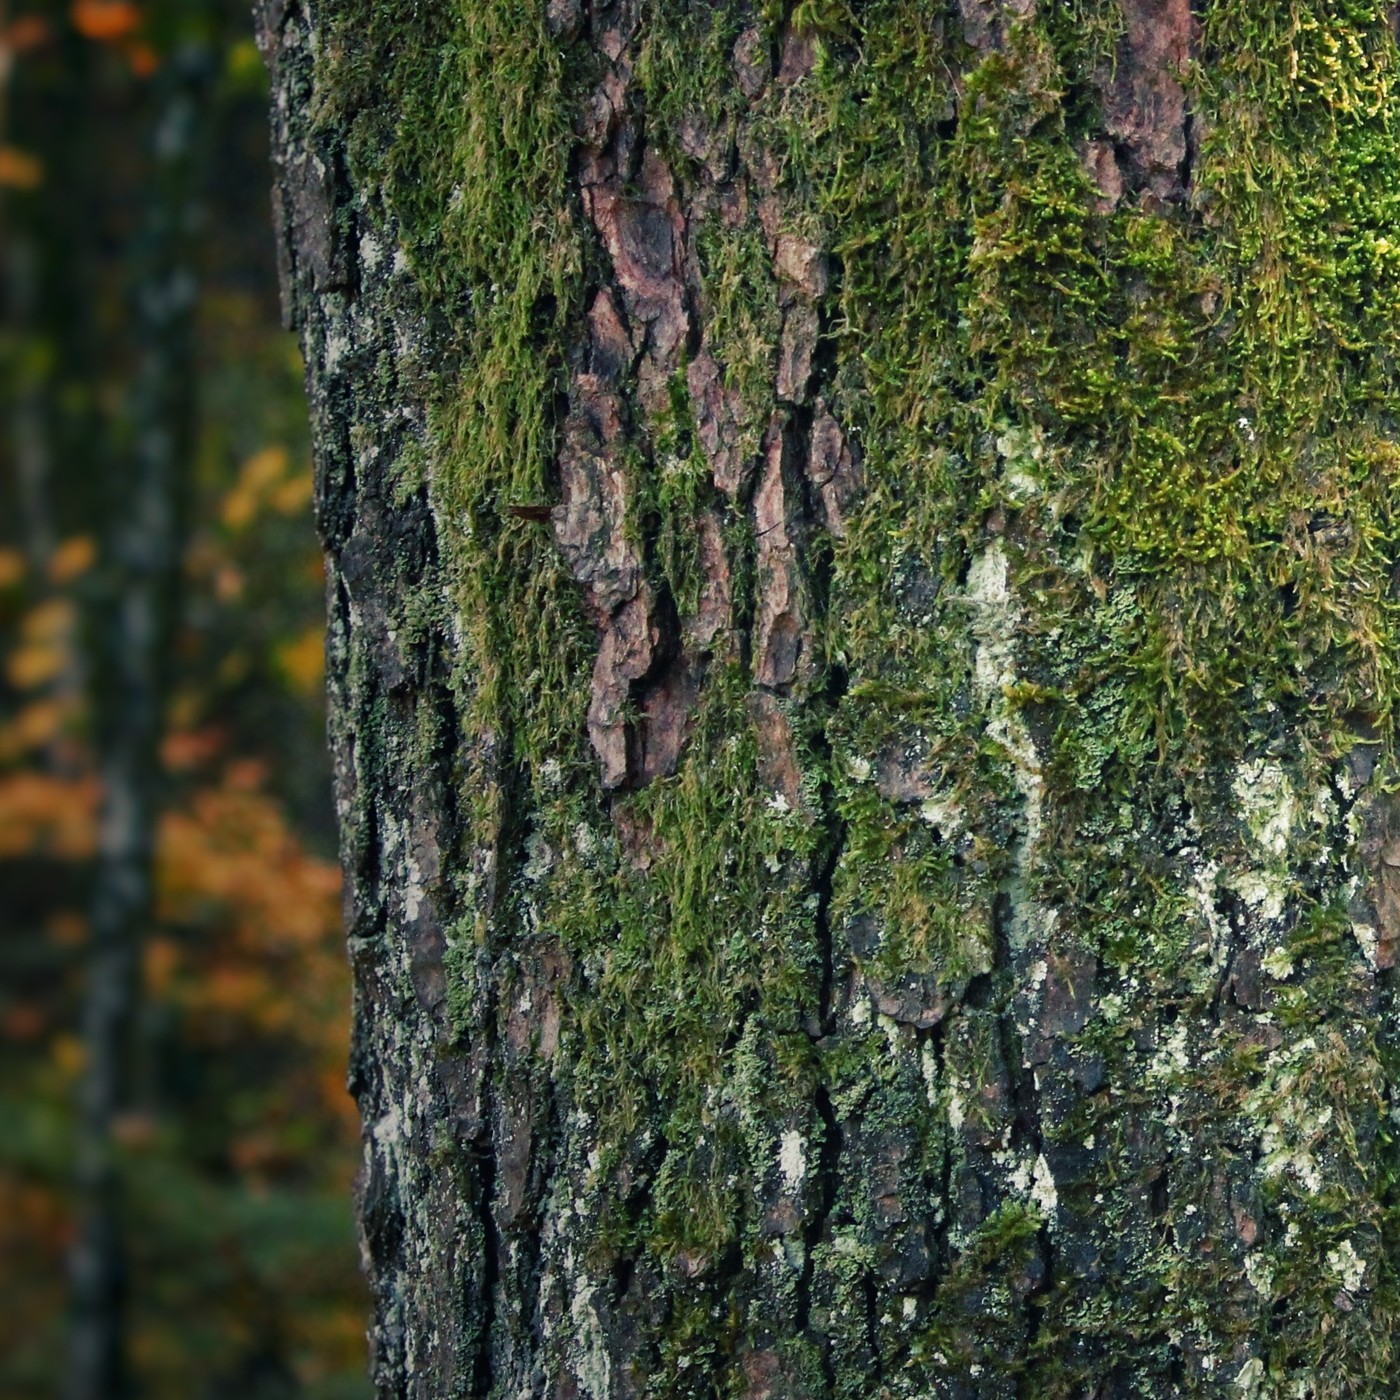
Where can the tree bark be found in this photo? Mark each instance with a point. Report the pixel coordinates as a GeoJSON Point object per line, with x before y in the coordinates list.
{"type": "Point", "coordinates": [863, 606]}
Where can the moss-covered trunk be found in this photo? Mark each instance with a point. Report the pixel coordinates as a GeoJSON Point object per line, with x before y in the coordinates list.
{"type": "Point", "coordinates": [864, 638]}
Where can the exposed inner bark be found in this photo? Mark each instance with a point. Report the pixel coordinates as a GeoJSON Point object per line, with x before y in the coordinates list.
{"type": "Point", "coordinates": [864, 869]}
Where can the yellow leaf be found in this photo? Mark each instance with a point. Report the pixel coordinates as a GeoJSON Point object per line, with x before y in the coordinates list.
{"type": "Point", "coordinates": [256, 479]}
{"type": "Point", "coordinates": [33, 727]}
{"type": "Point", "coordinates": [228, 584]}
{"type": "Point", "coordinates": [302, 660]}
{"type": "Point", "coordinates": [72, 559]}
{"type": "Point", "coordinates": [293, 495]}
{"type": "Point", "coordinates": [32, 666]}
{"type": "Point", "coordinates": [68, 1054]}
{"type": "Point", "coordinates": [264, 469]}
{"type": "Point", "coordinates": [50, 621]}
{"type": "Point", "coordinates": [47, 632]}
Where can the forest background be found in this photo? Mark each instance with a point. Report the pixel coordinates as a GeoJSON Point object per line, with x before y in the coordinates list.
{"type": "Point", "coordinates": [236, 1140]}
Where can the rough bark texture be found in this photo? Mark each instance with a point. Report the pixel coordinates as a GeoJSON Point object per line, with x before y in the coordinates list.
{"type": "Point", "coordinates": [863, 626]}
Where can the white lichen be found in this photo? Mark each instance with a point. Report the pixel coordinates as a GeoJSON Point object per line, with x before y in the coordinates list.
{"type": "Point", "coordinates": [1250, 1376]}
{"type": "Point", "coordinates": [928, 1067]}
{"type": "Point", "coordinates": [956, 1108]}
{"type": "Point", "coordinates": [591, 1363]}
{"type": "Point", "coordinates": [943, 814]}
{"type": "Point", "coordinates": [792, 1159]}
{"type": "Point", "coordinates": [412, 888]}
{"type": "Point", "coordinates": [1267, 805]}
{"type": "Point", "coordinates": [994, 618]}
{"type": "Point", "coordinates": [1264, 891]}
{"type": "Point", "coordinates": [1368, 940]}
{"type": "Point", "coordinates": [1021, 451]}
{"type": "Point", "coordinates": [1259, 1270]}
{"type": "Point", "coordinates": [1043, 1191]}
{"type": "Point", "coordinates": [1347, 1266]}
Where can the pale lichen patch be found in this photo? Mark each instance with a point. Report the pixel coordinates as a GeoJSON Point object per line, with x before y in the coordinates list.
{"type": "Point", "coordinates": [1043, 1192]}
{"type": "Point", "coordinates": [792, 1158]}
{"type": "Point", "coordinates": [1268, 805]}
{"type": "Point", "coordinates": [1347, 1266]}
{"type": "Point", "coordinates": [592, 1362]}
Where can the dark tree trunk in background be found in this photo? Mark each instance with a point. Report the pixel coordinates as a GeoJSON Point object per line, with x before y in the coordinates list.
{"type": "Point", "coordinates": [863, 633]}
{"type": "Point", "coordinates": [149, 456]}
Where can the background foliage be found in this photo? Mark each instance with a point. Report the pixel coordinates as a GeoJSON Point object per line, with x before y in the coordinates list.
{"type": "Point", "coordinates": [240, 1154]}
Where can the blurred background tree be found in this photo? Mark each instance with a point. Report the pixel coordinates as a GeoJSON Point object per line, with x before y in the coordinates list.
{"type": "Point", "coordinates": [160, 643]}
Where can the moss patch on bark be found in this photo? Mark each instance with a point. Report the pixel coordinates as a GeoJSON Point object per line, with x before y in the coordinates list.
{"type": "Point", "coordinates": [1033, 1040]}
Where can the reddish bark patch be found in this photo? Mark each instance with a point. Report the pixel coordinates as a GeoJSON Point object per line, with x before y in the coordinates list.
{"type": "Point", "coordinates": [1101, 166]}
{"type": "Point", "coordinates": [833, 470]}
{"type": "Point", "coordinates": [712, 617]}
{"type": "Point", "coordinates": [753, 62]}
{"type": "Point", "coordinates": [986, 23]}
{"type": "Point", "coordinates": [624, 657]}
{"type": "Point", "coordinates": [717, 422]}
{"type": "Point", "coordinates": [777, 754]}
{"type": "Point", "coordinates": [782, 642]}
{"type": "Point", "coordinates": [1144, 102]}
{"type": "Point", "coordinates": [799, 344]}
{"type": "Point", "coordinates": [589, 522]}
{"type": "Point", "coordinates": [1378, 904]}
{"type": "Point", "coordinates": [611, 351]}
{"type": "Point", "coordinates": [1066, 1001]}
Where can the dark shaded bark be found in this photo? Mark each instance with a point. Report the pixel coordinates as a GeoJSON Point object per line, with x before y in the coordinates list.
{"type": "Point", "coordinates": [862, 781]}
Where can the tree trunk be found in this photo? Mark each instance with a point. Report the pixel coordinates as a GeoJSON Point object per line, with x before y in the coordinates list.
{"type": "Point", "coordinates": [142, 556]}
{"type": "Point", "coordinates": [863, 633]}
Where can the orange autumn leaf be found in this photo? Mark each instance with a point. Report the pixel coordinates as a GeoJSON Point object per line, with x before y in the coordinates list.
{"type": "Point", "coordinates": [31, 1208]}
{"type": "Point", "coordinates": [161, 957]}
{"type": "Point", "coordinates": [143, 59]}
{"type": "Point", "coordinates": [26, 33]}
{"type": "Point", "coordinates": [255, 1151]}
{"type": "Point", "coordinates": [229, 862]}
{"type": "Point", "coordinates": [104, 20]}
{"type": "Point", "coordinates": [23, 1022]}
{"type": "Point", "coordinates": [44, 814]}
{"type": "Point", "coordinates": [19, 170]}
{"type": "Point", "coordinates": [67, 928]}
{"type": "Point", "coordinates": [36, 725]}
{"type": "Point", "coordinates": [47, 633]}
{"type": "Point", "coordinates": [184, 749]}
{"type": "Point", "coordinates": [133, 1129]}
{"type": "Point", "coordinates": [294, 494]}
{"type": "Point", "coordinates": [336, 1097]}
{"type": "Point", "coordinates": [36, 665]}
{"type": "Point", "coordinates": [248, 775]}
{"type": "Point", "coordinates": [72, 559]}
{"type": "Point", "coordinates": [68, 1055]}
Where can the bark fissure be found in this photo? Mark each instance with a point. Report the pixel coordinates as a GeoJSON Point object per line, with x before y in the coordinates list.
{"type": "Point", "coordinates": [908, 917]}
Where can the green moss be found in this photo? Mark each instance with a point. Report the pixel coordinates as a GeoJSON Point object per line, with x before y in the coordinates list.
{"type": "Point", "coordinates": [742, 319]}
{"type": "Point", "coordinates": [1174, 427]}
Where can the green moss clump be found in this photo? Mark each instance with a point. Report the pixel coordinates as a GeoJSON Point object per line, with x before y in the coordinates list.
{"type": "Point", "coordinates": [1127, 544]}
